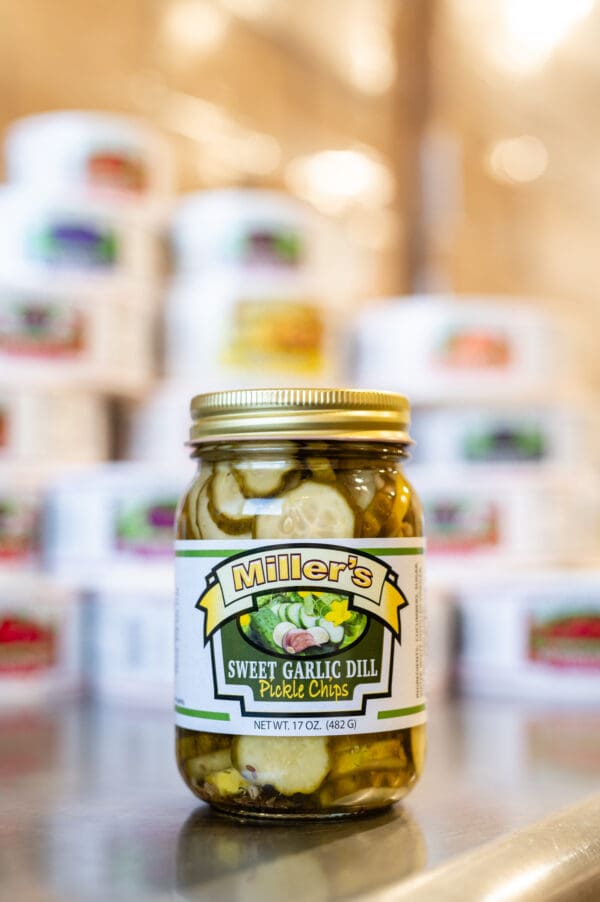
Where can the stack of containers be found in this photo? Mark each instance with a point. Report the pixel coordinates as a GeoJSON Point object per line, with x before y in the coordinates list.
{"type": "Point", "coordinates": [110, 531]}
{"type": "Point", "coordinates": [243, 308]}
{"type": "Point", "coordinates": [504, 463]}
{"type": "Point", "coordinates": [80, 266]}
{"type": "Point", "coordinates": [246, 307]}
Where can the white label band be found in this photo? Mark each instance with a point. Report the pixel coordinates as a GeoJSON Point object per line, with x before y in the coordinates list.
{"type": "Point", "coordinates": [299, 638]}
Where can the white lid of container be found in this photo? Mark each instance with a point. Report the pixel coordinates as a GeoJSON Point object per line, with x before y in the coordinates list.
{"type": "Point", "coordinates": [155, 583]}
{"type": "Point", "coordinates": [477, 308]}
{"type": "Point", "coordinates": [33, 285]}
{"type": "Point", "coordinates": [249, 226]}
{"type": "Point", "coordinates": [159, 425]}
{"type": "Point", "coordinates": [127, 477]}
{"type": "Point", "coordinates": [24, 203]}
{"type": "Point", "coordinates": [63, 419]}
{"type": "Point", "coordinates": [441, 348]}
{"type": "Point", "coordinates": [535, 635]}
{"type": "Point", "coordinates": [75, 240]}
{"type": "Point", "coordinates": [72, 337]}
{"type": "Point", "coordinates": [552, 581]}
{"type": "Point", "coordinates": [37, 477]}
{"type": "Point", "coordinates": [33, 589]}
{"type": "Point", "coordinates": [222, 281]}
{"type": "Point", "coordinates": [103, 152]}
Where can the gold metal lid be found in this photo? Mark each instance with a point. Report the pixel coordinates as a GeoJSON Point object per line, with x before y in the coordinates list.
{"type": "Point", "coordinates": [300, 413]}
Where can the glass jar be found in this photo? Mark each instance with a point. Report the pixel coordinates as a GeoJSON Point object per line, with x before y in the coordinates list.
{"type": "Point", "coordinates": [299, 623]}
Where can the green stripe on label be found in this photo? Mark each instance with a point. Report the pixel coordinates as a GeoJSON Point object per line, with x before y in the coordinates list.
{"type": "Point", "coordinates": [205, 715]}
{"type": "Point", "coordinates": [193, 552]}
{"type": "Point", "coordinates": [400, 712]}
{"type": "Point", "coordinates": [384, 552]}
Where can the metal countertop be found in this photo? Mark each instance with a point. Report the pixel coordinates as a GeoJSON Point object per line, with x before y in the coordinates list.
{"type": "Point", "coordinates": [92, 808]}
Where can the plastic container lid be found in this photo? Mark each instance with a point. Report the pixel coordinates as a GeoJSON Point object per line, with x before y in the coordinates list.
{"type": "Point", "coordinates": [86, 336]}
{"type": "Point", "coordinates": [74, 239]}
{"type": "Point", "coordinates": [33, 589]}
{"type": "Point", "coordinates": [159, 425]}
{"type": "Point", "coordinates": [440, 349]}
{"type": "Point", "coordinates": [104, 153]}
{"type": "Point", "coordinates": [246, 226]}
{"type": "Point", "coordinates": [117, 518]}
{"type": "Point", "coordinates": [533, 636]}
{"type": "Point", "coordinates": [227, 327]}
{"type": "Point", "coordinates": [39, 639]}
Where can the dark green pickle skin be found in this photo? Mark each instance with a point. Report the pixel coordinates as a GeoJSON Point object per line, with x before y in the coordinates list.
{"type": "Point", "coordinates": [375, 789]}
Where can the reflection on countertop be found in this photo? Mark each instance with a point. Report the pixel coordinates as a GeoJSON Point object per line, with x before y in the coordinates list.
{"type": "Point", "coordinates": [253, 862]}
{"type": "Point", "coordinates": [93, 808]}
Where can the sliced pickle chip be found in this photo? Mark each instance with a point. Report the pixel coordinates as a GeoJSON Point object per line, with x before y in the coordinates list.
{"type": "Point", "coordinates": [225, 494]}
{"type": "Point", "coordinates": [191, 744]}
{"type": "Point", "coordinates": [260, 479]}
{"type": "Point", "coordinates": [191, 510]}
{"type": "Point", "coordinates": [418, 742]}
{"type": "Point", "coordinates": [385, 755]}
{"type": "Point", "coordinates": [362, 485]}
{"type": "Point", "coordinates": [215, 525]}
{"type": "Point", "coordinates": [313, 510]}
{"type": "Point", "coordinates": [198, 768]}
{"type": "Point", "coordinates": [290, 764]}
{"type": "Point", "coordinates": [321, 469]}
{"type": "Point", "coordinates": [379, 510]}
{"type": "Point", "coordinates": [191, 501]}
{"type": "Point", "coordinates": [186, 747]}
{"type": "Point", "coordinates": [393, 525]}
{"type": "Point", "coordinates": [227, 782]}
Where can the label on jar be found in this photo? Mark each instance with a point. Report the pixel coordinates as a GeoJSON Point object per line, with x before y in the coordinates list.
{"type": "Point", "coordinates": [299, 638]}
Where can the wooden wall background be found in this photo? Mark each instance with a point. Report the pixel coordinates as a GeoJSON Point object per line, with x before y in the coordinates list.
{"type": "Point", "coordinates": [535, 238]}
{"type": "Point", "coordinates": [279, 69]}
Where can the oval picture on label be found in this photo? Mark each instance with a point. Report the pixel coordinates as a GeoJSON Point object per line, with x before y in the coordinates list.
{"type": "Point", "coordinates": [309, 624]}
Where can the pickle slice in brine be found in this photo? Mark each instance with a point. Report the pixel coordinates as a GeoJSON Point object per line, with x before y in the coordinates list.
{"type": "Point", "coordinates": [418, 743]}
{"type": "Point", "coordinates": [379, 510]}
{"type": "Point", "coordinates": [214, 523]}
{"type": "Point", "coordinates": [225, 495]}
{"type": "Point", "coordinates": [191, 501]}
{"type": "Point", "coordinates": [199, 767]}
{"type": "Point", "coordinates": [387, 754]}
{"type": "Point", "coordinates": [361, 486]}
{"type": "Point", "coordinates": [261, 479]}
{"type": "Point", "coordinates": [290, 764]}
{"type": "Point", "coordinates": [321, 469]}
{"type": "Point", "coordinates": [228, 782]}
{"type": "Point", "coordinates": [313, 510]}
{"type": "Point", "coordinates": [393, 525]}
